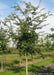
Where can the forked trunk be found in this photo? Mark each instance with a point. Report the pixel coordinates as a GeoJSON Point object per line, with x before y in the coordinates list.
{"type": "Point", "coordinates": [26, 65]}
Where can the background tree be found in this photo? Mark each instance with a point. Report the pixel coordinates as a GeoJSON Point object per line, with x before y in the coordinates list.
{"type": "Point", "coordinates": [52, 38]}
{"type": "Point", "coordinates": [3, 43]}
{"type": "Point", "coordinates": [47, 43]}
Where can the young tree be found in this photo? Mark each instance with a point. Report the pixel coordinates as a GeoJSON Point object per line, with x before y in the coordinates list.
{"type": "Point", "coordinates": [3, 44]}
{"type": "Point", "coordinates": [52, 38]}
{"type": "Point", "coordinates": [47, 43]}
{"type": "Point", "coordinates": [52, 35]}
{"type": "Point", "coordinates": [28, 20]}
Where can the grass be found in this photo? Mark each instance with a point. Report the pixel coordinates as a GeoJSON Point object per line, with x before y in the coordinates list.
{"type": "Point", "coordinates": [41, 64]}
{"type": "Point", "coordinates": [31, 68]}
{"type": "Point", "coordinates": [14, 59]}
{"type": "Point", "coordinates": [11, 73]}
{"type": "Point", "coordinates": [17, 62]}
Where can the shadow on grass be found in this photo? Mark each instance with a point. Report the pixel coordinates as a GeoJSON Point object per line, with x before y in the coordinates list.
{"type": "Point", "coordinates": [16, 62]}
{"type": "Point", "coordinates": [19, 70]}
{"type": "Point", "coordinates": [40, 69]}
{"type": "Point", "coordinates": [28, 59]}
{"type": "Point", "coordinates": [10, 64]}
{"type": "Point", "coordinates": [53, 61]}
{"type": "Point", "coordinates": [31, 68]}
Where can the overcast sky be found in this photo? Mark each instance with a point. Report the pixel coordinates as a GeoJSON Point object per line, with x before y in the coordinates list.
{"type": "Point", "coordinates": [5, 9]}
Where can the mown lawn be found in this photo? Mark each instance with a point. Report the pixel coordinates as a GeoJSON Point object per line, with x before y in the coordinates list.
{"type": "Point", "coordinates": [31, 68]}
{"type": "Point", "coordinates": [13, 57]}
{"type": "Point", "coordinates": [15, 62]}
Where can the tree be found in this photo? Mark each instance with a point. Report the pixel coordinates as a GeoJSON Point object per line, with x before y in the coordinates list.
{"type": "Point", "coordinates": [28, 20]}
{"type": "Point", "coordinates": [52, 38]}
{"type": "Point", "coordinates": [52, 35]}
{"type": "Point", "coordinates": [3, 43]}
{"type": "Point", "coordinates": [47, 43]}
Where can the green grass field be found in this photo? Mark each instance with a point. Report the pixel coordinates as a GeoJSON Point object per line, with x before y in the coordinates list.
{"type": "Point", "coordinates": [14, 59]}
{"type": "Point", "coordinates": [11, 60]}
{"type": "Point", "coordinates": [31, 68]}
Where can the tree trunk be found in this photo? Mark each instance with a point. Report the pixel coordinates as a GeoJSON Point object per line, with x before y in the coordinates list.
{"type": "Point", "coordinates": [2, 62]}
{"type": "Point", "coordinates": [17, 57]}
{"type": "Point", "coordinates": [20, 60]}
{"type": "Point", "coordinates": [33, 58]}
{"type": "Point", "coordinates": [26, 65]}
{"type": "Point", "coordinates": [5, 59]}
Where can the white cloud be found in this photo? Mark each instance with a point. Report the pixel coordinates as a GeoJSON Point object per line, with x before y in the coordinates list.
{"type": "Point", "coordinates": [47, 28]}
{"type": "Point", "coordinates": [50, 20]}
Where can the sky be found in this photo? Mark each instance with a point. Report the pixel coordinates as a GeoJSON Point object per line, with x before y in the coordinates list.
{"type": "Point", "coordinates": [5, 9]}
{"type": "Point", "coordinates": [5, 5]}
